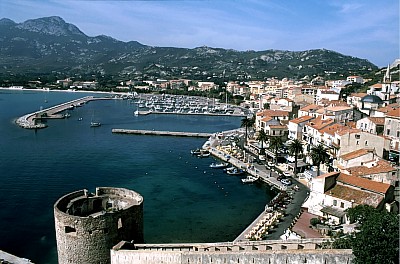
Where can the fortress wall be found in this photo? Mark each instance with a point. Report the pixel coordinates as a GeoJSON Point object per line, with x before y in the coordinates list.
{"type": "Point", "coordinates": [248, 257]}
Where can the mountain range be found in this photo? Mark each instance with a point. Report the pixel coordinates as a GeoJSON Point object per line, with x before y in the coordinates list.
{"type": "Point", "coordinates": [51, 46]}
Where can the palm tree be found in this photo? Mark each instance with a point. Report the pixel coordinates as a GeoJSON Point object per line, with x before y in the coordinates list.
{"type": "Point", "coordinates": [262, 136]}
{"type": "Point", "coordinates": [275, 143]}
{"type": "Point", "coordinates": [246, 123]}
{"type": "Point", "coordinates": [318, 155]}
{"type": "Point", "coordinates": [295, 148]}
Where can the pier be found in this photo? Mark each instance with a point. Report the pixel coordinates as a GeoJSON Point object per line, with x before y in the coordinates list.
{"type": "Point", "coordinates": [160, 133]}
{"type": "Point", "coordinates": [29, 120]}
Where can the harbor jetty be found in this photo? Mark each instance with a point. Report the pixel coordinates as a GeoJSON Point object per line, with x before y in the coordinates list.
{"type": "Point", "coordinates": [160, 133]}
{"type": "Point", "coordinates": [29, 121]}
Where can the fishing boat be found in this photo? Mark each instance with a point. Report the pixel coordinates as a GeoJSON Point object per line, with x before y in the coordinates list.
{"type": "Point", "coordinates": [250, 179]}
{"type": "Point", "coordinates": [229, 169]}
{"type": "Point", "coordinates": [195, 151]}
{"type": "Point", "coordinates": [95, 124]}
{"type": "Point", "coordinates": [220, 165]}
{"type": "Point", "coordinates": [235, 171]}
{"type": "Point", "coordinates": [204, 154]}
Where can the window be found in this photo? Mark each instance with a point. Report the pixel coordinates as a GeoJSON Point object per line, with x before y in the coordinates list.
{"type": "Point", "coordinates": [388, 132]}
{"type": "Point", "coordinates": [334, 202]}
{"type": "Point", "coordinates": [342, 204]}
{"type": "Point", "coordinates": [398, 134]}
{"type": "Point", "coordinates": [357, 136]}
{"type": "Point", "coordinates": [366, 143]}
{"type": "Point", "coordinates": [358, 142]}
{"type": "Point", "coordinates": [69, 229]}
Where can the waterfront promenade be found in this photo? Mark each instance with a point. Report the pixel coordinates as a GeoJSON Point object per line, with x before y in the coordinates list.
{"type": "Point", "coordinates": [29, 120]}
{"type": "Point", "coordinates": [273, 222]}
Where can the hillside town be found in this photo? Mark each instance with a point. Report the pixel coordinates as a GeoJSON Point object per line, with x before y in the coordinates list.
{"type": "Point", "coordinates": [358, 133]}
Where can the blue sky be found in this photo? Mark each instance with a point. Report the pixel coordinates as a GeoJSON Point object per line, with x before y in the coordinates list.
{"type": "Point", "coordinates": [367, 29]}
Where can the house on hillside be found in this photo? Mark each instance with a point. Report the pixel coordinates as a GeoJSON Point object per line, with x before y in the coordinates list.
{"type": "Point", "coordinates": [332, 193]}
{"type": "Point", "coordinates": [373, 125]}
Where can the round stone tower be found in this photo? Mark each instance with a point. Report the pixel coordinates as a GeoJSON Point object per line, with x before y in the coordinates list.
{"type": "Point", "coordinates": [89, 225]}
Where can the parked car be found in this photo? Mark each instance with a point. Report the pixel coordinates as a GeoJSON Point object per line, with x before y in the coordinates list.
{"type": "Point", "coordinates": [287, 174]}
{"type": "Point", "coordinates": [281, 177]}
{"type": "Point", "coordinates": [286, 182]}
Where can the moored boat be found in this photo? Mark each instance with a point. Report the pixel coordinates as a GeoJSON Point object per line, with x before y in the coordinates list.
{"type": "Point", "coordinates": [250, 179]}
{"type": "Point", "coordinates": [220, 165]}
{"type": "Point", "coordinates": [95, 124]}
{"type": "Point", "coordinates": [235, 171]}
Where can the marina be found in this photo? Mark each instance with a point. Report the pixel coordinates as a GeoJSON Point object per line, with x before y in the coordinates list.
{"type": "Point", "coordinates": [185, 105]}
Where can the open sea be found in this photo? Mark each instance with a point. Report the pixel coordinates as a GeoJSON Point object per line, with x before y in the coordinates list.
{"type": "Point", "coordinates": [184, 199]}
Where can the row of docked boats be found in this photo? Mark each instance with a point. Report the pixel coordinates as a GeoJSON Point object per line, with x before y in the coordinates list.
{"type": "Point", "coordinates": [232, 170]}
{"type": "Point", "coordinates": [183, 104]}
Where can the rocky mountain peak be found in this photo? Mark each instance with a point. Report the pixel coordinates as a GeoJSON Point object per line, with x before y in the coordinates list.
{"type": "Point", "coordinates": [7, 22]}
{"type": "Point", "coordinates": [53, 25]}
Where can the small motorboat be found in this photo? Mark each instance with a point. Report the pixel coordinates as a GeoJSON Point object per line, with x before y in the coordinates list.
{"type": "Point", "coordinates": [250, 179]}
{"type": "Point", "coordinates": [220, 165]}
{"type": "Point", "coordinates": [195, 151]}
{"type": "Point", "coordinates": [235, 171]}
{"type": "Point", "coordinates": [95, 124]}
{"type": "Point", "coordinates": [204, 154]}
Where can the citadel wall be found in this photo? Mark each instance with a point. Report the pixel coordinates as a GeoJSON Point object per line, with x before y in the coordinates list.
{"type": "Point", "coordinates": [271, 252]}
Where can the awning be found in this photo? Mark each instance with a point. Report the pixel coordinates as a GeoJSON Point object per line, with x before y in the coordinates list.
{"type": "Point", "coordinates": [333, 211]}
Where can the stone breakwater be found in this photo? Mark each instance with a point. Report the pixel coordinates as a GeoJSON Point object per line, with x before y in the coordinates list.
{"type": "Point", "coordinates": [29, 121]}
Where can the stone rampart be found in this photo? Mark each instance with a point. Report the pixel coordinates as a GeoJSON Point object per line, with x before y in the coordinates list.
{"type": "Point", "coordinates": [272, 252]}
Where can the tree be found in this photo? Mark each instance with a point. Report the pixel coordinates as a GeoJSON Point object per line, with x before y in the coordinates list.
{"type": "Point", "coordinates": [377, 237]}
{"type": "Point", "coordinates": [246, 123]}
{"type": "Point", "coordinates": [295, 148]}
{"type": "Point", "coordinates": [318, 155]}
{"type": "Point", "coordinates": [262, 137]}
{"type": "Point", "coordinates": [275, 143]}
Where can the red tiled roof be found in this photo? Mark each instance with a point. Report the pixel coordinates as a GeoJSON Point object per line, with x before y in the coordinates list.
{"type": "Point", "coordinates": [311, 107]}
{"type": "Point", "coordinates": [393, 113]}
{"type": "Point", "coordinates": [373, 186]}
{"type": "Point", "coordinates": [348, 130]}
{"type": "Point", "coordinates": [266, 119]}
{"type": "Point", "coordinates": [332, 129]}
{"type": "Point", "coordinates": [353, 195]}
{"type": "Point", "coordinates": [318, 123]}
{"type": "Point", "coordinates": [356, 154]}
{"type": "Point", "coordinates": [361, 95]}
{"type": "Point", "coordinates": [377, 120]}
{"type": "Point", "coordinates": [388, 108]}
{"type": "Point", "coordinates": [273, 113]}
{"type": "Point", "coordinates": [301, 119]}
{"type": "Point", "coordinates": [382, 166]}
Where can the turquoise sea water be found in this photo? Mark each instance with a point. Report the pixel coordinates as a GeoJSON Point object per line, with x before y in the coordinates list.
{"type": "Point", "coordinates": [184, 200]}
